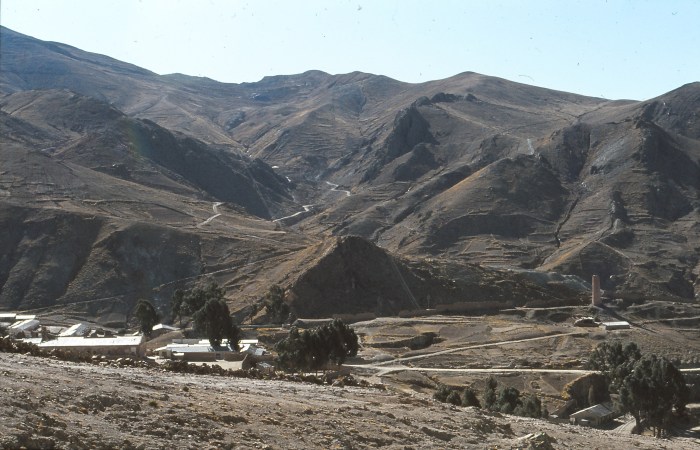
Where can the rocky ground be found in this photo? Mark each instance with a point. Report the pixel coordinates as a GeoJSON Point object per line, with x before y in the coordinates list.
{"type": "Point", "coordinates": [57, 404]}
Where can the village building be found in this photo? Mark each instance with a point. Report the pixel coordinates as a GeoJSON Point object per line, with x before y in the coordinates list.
{"type": "Point", "coordinates": [79, 329]}
{"type": "Point", "coordinates": [197, 350]}
{"type": "Point", "coordinates": [622, 325]}
{"type": "Point", "coordinates": [23, 328]}
{"type": "Point", "coordinates": [110, 346]}
{"type": "Point", "coordinates": [25, 317]}
{"type": "Point", "coordinates": [8, 318]}
{"type": "Point", "coordinates": [594, 416]}
{"type": "Point", "coordinates": [251, 346]}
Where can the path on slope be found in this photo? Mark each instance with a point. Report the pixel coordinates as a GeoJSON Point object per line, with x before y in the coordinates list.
{"type": "Point", "coordinates": [214, 207]}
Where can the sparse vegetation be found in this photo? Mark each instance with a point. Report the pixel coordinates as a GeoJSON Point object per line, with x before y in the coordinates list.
{"type": "Point", "coordinates": [508, 400]}
{"type": "Point", "coordinates": [467, 397]}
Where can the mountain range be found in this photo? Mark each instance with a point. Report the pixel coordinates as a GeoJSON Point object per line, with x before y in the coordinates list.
{"type": "Point", "coordinates": [356, 193]}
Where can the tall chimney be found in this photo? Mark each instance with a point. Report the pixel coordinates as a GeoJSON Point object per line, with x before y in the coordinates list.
{"type": "Point", "coordinates": [595, 297]}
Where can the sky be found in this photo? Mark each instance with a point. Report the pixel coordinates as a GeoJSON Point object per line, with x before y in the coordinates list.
{"type": "Point", "coordinates": [615, 49]}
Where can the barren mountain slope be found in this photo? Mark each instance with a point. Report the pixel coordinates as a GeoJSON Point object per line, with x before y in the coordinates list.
{"type": "Point", "coordinates": [470, 169]}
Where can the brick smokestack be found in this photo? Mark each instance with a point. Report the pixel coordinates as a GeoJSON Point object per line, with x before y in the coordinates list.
{"type": "Point", "coordinates": [595, 297]}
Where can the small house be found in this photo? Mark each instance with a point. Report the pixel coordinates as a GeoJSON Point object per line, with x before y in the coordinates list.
{"type": "Point", "coordinates": [621, 325]}
{"type": "Point", "coordinates": [594, 416]}
{"type": "Point", "coordinates": [200, 350]}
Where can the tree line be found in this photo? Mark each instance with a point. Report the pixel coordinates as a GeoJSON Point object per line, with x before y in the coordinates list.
{"type": "Point", "coordinates": [313, 349]}
{"type": "Point", "coordinates": [506, 399]}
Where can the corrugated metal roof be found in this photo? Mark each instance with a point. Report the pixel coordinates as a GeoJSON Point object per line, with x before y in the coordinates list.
{"type": "Point", "coordinates": [599, 410]}
{"type": "Point", "coordinates": [24, 325]}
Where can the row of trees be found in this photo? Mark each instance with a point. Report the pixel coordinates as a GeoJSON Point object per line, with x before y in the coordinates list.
{"type": "Point", "coordinates": [312, 350]}
{"type": "Point", "coordinates": [506, 399]}
{"type": "Point", "coordinates": [649, 387]}
{"type": "Point", "coordinates": [207, 308]}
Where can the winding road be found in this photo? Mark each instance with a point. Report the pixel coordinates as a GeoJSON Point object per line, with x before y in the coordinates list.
{"type": "Point", "coordinates": [334, 187]}
{"type": "Point", "coordinates": [214, 207]}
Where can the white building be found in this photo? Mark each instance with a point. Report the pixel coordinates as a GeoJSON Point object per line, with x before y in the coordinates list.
{"type": "Point", "coordinates": [110, 346]}
{"type": "Point", "coordinates": [24, 326]}
{"type": "Point", "coordinates": [595, 415]}
{"type": "Point", "coordinates": [616, 325]}
{"type": "Point", "coordinates": [199, 350]}
{"type": "Point", "coordinates": [79, 329]}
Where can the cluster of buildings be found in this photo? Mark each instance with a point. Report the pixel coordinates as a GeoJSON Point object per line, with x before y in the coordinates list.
{"type": "Point", "coordinates": [79, 337]}
{"type": "Point", "coordinates": [83, 338]}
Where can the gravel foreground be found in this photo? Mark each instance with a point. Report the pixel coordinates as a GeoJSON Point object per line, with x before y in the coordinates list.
{"type": "Point", "coordinates": [49, 403]}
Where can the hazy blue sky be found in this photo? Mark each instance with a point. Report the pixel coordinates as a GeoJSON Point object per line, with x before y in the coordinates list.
{"type": "Point", "coordinates": [614, 49]}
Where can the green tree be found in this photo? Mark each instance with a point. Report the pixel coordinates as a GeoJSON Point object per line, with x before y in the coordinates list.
{"type": "Point", "coordinates": [273, 303]}
{"type": "Point", "coordinates": [508, 400]}
{"type": "Point", "coordinates": [177, 304]}
{"type": "Point", "coordinates": [469, 398]}
{"type": "Point", "coordinates": [442, 393]}
{"type": "Point", "coordinates": [489, 396]}
{"type": "Point", "coordinates": [454, 398]}
{"type": "Point", "coordinates": [313, 349]}
{"type": "Point", "coordinates": [342, 341]}
{"type": "Point", "coordinates": [530, 406]}
{"type": "Point", "coordinates": [215, 320]}
{"type": "Point", "coordinates": [146, 315]}
{"type": "Point", "coordinates": [614, 361]}
{"type": "Point", "coordinates": [650, 391]}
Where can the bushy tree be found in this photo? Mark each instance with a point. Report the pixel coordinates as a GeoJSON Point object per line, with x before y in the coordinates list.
{"type": "Point", "coordinates": [177, 305]}
{"type": "Point", "coordinates": [508, 399]}
{"type": "Point", "coordinates": [489, 396]}
{"type": "Point", "coordinates": [209, 313]}
{"type": "Point", "coordinates": [442, 393]}
{"type": "Point", "coordinates": [313, 349]}
{"type": "Point", "coordinates": [614, 361]}
{"type": "Point", "coordinates": [530, 406]}
{"type": "Point", "coordinates": [651, 390]}
{"type": "Point", "coordinates": [469, 398]}
{"type": "Point", "coordinates": [649, 387]}
{"type": "Point", "coordinates": [452, 395]}
{"type": "Point", "coordinates": [274, 305]}
{"type": "Point", "coordinates": [147, 316]}
{"type": "Point", "coordinates": [216, 322]}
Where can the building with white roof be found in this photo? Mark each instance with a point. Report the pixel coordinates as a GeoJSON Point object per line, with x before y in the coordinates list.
{"type": "Point", "coordinates": [622, 325]}
{"type": "Point", "coordinates": [161, 329]}
{"type": "Point", "coordinates": [197, 350]}
{"type": "Point", "coordinates": [24, 326]}
{"type": "Point", "coordinates": [79, 329]}
{"type": "Point", "coordinates": [110, 346]}
{"type": "Point", "coordinates": [8, 317]}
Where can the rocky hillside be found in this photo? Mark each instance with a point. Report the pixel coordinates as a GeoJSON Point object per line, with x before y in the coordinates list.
{"type": "Point", "coordinates": [476, 174]}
